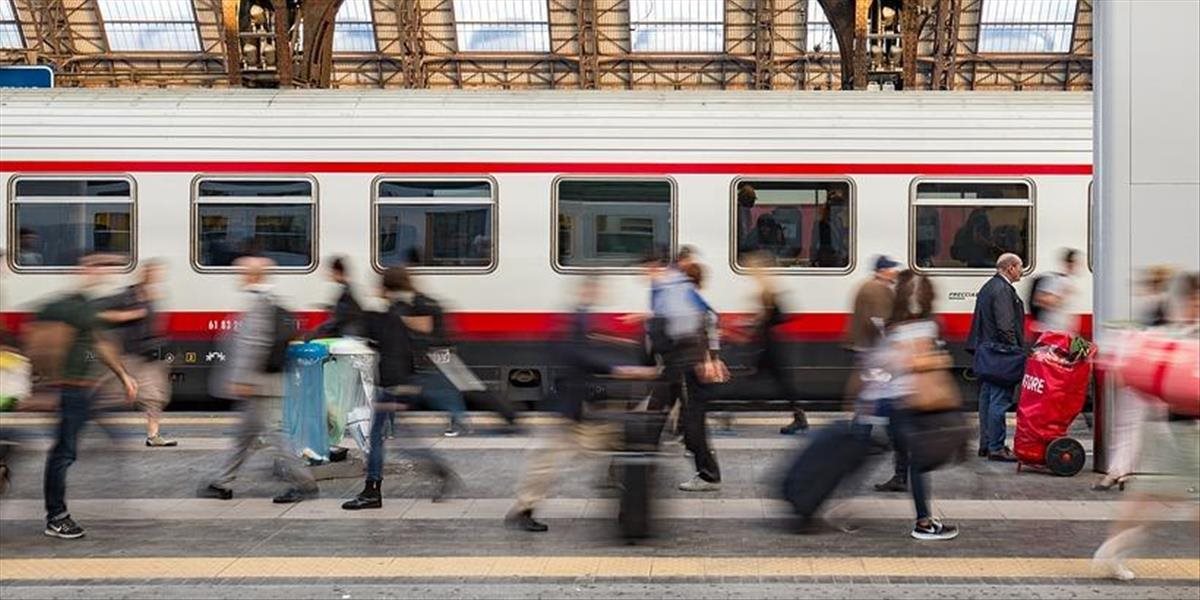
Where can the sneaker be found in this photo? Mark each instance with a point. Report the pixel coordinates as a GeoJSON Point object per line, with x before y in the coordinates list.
{"type": "Point", "coordinates": [294, 495]}
{"type": "Point", "coordinates": [64, 528]}
{"type": "Point", "coordinates": [700, 484]}
{"type": "Point", "coordinates": [215, 491]}
{"type": "Point", "coordinates": [159, 441]}
{"type": "Point", "coordinates": [524, 521]}
{"type": "Point", "coordinates": [455, 430]}
{"type": "Point", "coordinates": [935, 530]}
{"type": "Point", "coordinates": [895, 484]}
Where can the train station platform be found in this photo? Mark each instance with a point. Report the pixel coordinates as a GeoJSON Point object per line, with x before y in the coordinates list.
{"type": "Point", "coordinates": [1023, 534]}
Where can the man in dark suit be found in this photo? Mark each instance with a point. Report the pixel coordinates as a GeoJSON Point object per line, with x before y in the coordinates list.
{"type": "Point", "coordinates": [999, 318]}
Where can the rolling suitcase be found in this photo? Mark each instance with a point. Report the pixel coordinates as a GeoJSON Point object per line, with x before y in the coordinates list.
{"type": "Point", "coordinates": [636, 463]}
{"type": "Point", "coordinates": [835, 452]}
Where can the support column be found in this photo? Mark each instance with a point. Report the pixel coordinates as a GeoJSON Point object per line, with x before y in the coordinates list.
{"type": "Point", "coordinates": [230, 10]}
{"type": "Point", "coordinates": [283, 44]}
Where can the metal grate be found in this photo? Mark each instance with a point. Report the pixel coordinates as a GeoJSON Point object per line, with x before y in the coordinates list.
{"type": "Point", "coordinates": [10, 29]}
{"type": "Point", "coordinates": [1026, 26]}
{"type": "Point", "coordinates": [677, 25]}
{"type": "Point", "coordinates": [150, 25]}
{"type": "Point", "coordinates": [355, 28]}
{"type": "Point", "coordinates": [502, 25]}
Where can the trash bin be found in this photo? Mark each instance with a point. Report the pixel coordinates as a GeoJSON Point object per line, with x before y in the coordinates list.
{"type": "Point", "coordinates": [304, 420]}
{"type": "Point", "coordinates": [349, 390]}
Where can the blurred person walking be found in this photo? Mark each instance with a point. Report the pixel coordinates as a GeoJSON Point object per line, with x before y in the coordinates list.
{"type": "Point", "coordinates": [1051, 295]}
{"type": "Point", "coordinates": [911, 355]}
{"type": "Point", "coordinates": [772, 358]}
{"type": "Point", "coordinates": [391, 333]}
{"type": "Point", "coordinates": [346, 317]}
{"type": "Point", "coordinates": [249, 377]}
{"type": "Point", "coordinates": [133, 315]}
{"type": "Point", "coordinates": [1169, 468]}
{"type": "Point", "coordinates": [581, 433]}
{"type": "Point", "coordinates": [59, 342]}
{"type": "Point", "coordinates": [997, 340]}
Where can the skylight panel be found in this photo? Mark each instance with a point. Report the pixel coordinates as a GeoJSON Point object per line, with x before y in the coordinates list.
{"type": "Point", "coordinates": [502, 25]}
{"type": "Point", "coordinates": [677, 25]}
{"type": "Point", "coordinates": [10, 29]}
{"type": "Point", "coordinates": [820, 31]}
{"type": "Point", "coordinates": [150, 25]}
{"type": "Point", "coordinates": [354, 30]}
{"type": "Point", "coordinates": [1026, 26]}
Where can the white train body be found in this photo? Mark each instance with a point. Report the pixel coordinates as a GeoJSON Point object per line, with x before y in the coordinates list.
{"type": "Point", "coordinates": [881, 146]}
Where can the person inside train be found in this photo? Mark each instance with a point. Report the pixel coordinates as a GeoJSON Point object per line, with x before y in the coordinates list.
{"type": "Point", "coordinates": [247, 378]}
{"type": "Point", "coordinates": [768, 235]}
{"type": "Point", "coordinates": [973, 245]}
{"type": "Point", "coordinates": [928, 235]}
{"type": "Point", "coordinates": [392, 333]}
{"type": "Point", "coordinates": [829, 234]}
{"type": "Point", "coordinates": [581, 433]}
{"type": "Point", "coordinates": [132, 315]}
{"type": "Point", "coordinates": [999, 318]}
{"type": "Point", "coordinates": [746, 198]}
{"type": "Point", "coordinates": [346, 317]}
{"type": "Point", "coordinates": [772, 359]}
{"type": "Point", "coordinates": [29, 253]}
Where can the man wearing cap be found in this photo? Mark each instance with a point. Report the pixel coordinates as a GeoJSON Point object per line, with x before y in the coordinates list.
{"type": "Point", "coordinates": [872, 305]}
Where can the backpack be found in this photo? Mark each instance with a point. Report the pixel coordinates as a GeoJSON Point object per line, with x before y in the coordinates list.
{"type": "Point", "coordinates": [47, 341]}
{"type": "Point", "coordinates": [1035, 310]}
{"type": "Point", "coordinates": [284, 331]}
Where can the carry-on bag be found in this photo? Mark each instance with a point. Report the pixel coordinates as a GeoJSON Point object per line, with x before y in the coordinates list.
{"type": "Point", "coordinates": [835, 452]}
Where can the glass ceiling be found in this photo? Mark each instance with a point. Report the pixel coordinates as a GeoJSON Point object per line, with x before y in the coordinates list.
{"type": "Point", "coordinates": [820, 32]}
{"type": "Point", "coordinates": [677, 25]}
{"type": "Point", "coordinates": [150, 25]}
{"type": "Point", "coordinates": [355, 28]}
{"type": "Point", "coordinates": [1027, 26]}
{"type": "Point", "coordinates": [10, 32]}
{"type": "Point", "coordinates": [502, 25]}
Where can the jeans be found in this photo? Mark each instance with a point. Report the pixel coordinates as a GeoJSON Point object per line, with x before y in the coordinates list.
{"type": "Point", "coordinates": [440, 394]}
{"type": "Point", "coordinates": [994, 401]}
{"type": "Point", "coordinates": [899, 430]}
{"type": "Point", "coordinates": [257, 422]}
{"type": "Point", "coordinates": [695, 428]}
{"type": "Point", "coordinates": [377, 451]}
{"type": "Point", "coordinates": [74, 411]}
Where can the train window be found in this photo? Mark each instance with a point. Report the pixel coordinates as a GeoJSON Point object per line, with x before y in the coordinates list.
{"type": "Point", "coordinates": [272, 217]}
{"type": "Point", "coordinates": [612, 222]}
{"type": "Point", "coordinates": [58, 220]}
{"type": "Point", "coordinates": [435, 224]}
{"type": "Point", "coordinates": [794, 224]}
{"type": "Point", "coordinates": [968, 225]}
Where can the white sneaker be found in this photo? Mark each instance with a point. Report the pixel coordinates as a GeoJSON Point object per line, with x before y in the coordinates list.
{"type": "Point", "coordinates": [699, 484]}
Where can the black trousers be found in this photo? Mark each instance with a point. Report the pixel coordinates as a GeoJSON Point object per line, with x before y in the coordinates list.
{"type": "Point", "coordinates": [695, 427]}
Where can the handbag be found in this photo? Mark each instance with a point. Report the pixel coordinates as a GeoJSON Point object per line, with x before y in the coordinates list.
{"type": "Point", "coordinates": [936, 438]}
{"type": "Point", "coordinates": [933, 387]}
{"type": "Point", "coordinates": [999, 364]}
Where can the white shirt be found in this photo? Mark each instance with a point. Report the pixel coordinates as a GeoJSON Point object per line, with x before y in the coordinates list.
{"type": "Point", "coordinates": [1058, 318]}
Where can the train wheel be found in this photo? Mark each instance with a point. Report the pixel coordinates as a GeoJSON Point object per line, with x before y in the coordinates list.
{"type": "Point", "coordinates": [1065, 456]}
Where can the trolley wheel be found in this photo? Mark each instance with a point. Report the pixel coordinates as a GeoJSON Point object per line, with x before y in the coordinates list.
{"type": "Point", "coordinates": [1065, 456]}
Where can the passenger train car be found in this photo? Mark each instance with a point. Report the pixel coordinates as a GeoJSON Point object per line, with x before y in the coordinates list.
{"type": "Point", "coordinates": [500, 200]}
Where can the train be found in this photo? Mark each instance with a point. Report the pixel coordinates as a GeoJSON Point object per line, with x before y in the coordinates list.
{"type": "Point", "coordinates": [499, 201]}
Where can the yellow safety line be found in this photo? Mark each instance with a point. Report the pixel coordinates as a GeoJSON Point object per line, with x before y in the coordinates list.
{"type": "Point", "coordinates": [438, 567]}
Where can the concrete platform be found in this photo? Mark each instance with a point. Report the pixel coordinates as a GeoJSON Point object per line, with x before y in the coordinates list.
{"type": "Point", "coordinates": [1023, 535]}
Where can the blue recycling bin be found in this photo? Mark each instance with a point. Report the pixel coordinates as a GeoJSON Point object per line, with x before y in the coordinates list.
{"type": "Point", "coordinates": [304, 413]}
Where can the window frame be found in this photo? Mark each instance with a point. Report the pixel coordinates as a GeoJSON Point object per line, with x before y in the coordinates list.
{"type": "Point", "coordinates": [374, 34]}
{"type": "Point", "coordinates": [437, 270]}
{"type": "Point", "coordinates": [913, 203]}
{"type": "Point", "coordinates": [673, 207]}
{"type": "Point", "coordinates": [13, 227]}
{"type": "Point", "coordinates": [852, 248]}
{"type": "Point", "coordinates": [194, 220]}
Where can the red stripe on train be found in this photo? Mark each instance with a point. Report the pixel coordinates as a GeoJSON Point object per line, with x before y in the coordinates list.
{"type": "Point", "coordinates": [161, 166]}
{"type": "Point", "coordinates": [527, 326]}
